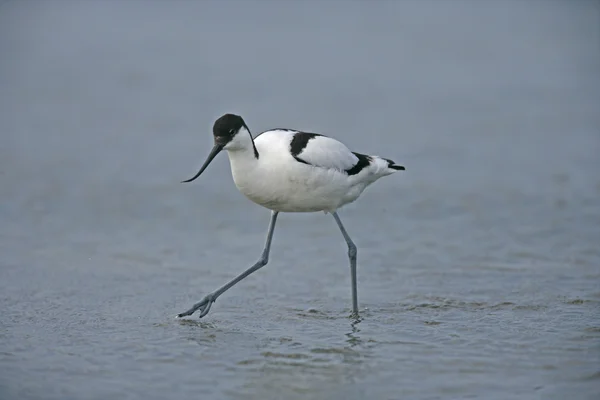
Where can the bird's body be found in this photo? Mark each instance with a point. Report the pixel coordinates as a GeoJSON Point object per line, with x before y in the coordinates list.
{"type": "Point", "coordinates": [288, 170]}
{"type": "Point", "coordinates": [279, 181]}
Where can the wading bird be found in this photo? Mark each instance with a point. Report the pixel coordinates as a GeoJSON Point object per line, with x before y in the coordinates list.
{"type": "Point", "coordinates": [286, 170]}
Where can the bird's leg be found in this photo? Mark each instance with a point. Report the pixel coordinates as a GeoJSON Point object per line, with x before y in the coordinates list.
{"type": "Point", "coordinates": [204, 305]}
{"type": "Point", "coordinates": [352, 257]}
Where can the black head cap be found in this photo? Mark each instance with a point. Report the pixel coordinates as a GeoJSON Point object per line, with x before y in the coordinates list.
{"type": "Point", "coordinates": [224, 130]}
{"type": "Point", "coordinates": [226, 127]}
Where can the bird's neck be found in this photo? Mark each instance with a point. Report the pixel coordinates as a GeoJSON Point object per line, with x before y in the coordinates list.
{"type": "Point", "coordinates": [242, 145]}
{"type": "Point", "coordinates": [242, 152]}
{"type": "Point", "coordinates": [241, 157]}
{"type": "Point", "coordinates": [244, 163]}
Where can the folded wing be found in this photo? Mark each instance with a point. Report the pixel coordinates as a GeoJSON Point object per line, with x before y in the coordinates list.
{"type": "Point", "coordinates": [325, 152]}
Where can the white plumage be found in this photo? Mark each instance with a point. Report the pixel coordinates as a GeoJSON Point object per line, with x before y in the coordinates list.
{"type": "Point", "coordinates": [292, 171]}
{"type": "Point", "coordinates": [278, 181]}
{"type": "Point", "coordinates": [325, 152]}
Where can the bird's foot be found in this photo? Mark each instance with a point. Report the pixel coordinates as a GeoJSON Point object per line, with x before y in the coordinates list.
{"type": "Point", "coordinates": [203, 306]}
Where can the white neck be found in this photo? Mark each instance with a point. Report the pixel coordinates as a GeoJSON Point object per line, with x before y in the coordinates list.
{"type": "Point", "coordinates": [241, 142]}
{"type": "Point", "coordinates": [241, 151]}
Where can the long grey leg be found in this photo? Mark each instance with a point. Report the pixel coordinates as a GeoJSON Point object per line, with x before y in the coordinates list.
{"type": "Point", "coordinates": [352, 256]}
{"type": "Point", "coordinates": [204, 304]}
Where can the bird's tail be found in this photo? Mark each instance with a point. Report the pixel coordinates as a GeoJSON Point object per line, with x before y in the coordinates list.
{"type": "Point", "coordinates": [393, 165]}
{"type": "Point", "coordinates": [384, 166]}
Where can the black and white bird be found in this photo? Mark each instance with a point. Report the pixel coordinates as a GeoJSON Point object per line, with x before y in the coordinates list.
{"type": "Point", "coordinates": [286, 170]}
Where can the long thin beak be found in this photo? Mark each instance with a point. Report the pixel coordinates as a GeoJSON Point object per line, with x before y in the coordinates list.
{"type": "Point", "coordinates": [213, 153]}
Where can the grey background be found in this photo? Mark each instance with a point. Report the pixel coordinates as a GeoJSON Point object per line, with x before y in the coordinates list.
{"type": "Point", "coordinates": [478, 266]}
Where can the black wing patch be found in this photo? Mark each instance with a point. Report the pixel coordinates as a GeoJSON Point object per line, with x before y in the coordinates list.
{"type": "Point", "coordinates": [299, 142]}
{"type": "Point", "coordinates": [393, 165]}
{"type": "Point", "coordinates": [363, 162]}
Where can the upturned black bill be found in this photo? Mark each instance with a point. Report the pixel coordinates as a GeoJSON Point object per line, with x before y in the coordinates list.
{"type": "Point", "coordinates": [213, 153]}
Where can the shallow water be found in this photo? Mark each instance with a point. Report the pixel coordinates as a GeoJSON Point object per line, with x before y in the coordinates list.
{"type": "Point", "coordinates": [478, 266]}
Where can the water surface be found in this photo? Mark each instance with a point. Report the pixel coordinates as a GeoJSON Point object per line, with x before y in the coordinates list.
{"type": "Point", "coordinates": [478, 266]}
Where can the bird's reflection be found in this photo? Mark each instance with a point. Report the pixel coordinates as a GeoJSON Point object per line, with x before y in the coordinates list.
{"type": "Point", "coordinates": [353, 337]}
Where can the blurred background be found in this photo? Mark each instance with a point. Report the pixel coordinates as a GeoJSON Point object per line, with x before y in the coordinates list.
{"type": "Point", "coordinates": [478, 266]}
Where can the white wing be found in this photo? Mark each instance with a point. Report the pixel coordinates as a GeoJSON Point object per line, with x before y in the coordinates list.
{"type": "Point", "coordinates": [325, 152]}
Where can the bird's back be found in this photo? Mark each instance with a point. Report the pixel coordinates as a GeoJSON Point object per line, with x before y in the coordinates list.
{"type": "Point", "coordinates": [303, 172]}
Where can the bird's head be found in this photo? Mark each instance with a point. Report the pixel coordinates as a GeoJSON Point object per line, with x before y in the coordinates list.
{"type": "Point", "coordinates": [230, 133]}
